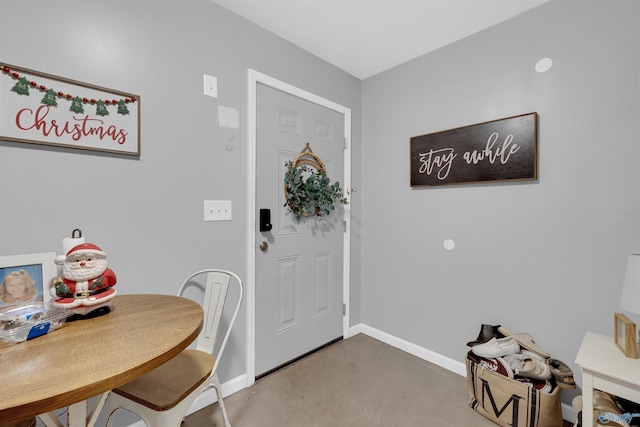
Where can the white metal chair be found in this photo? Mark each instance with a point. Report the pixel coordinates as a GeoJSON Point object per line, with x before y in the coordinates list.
{"type": "Point", "coordinates": [163, 396]}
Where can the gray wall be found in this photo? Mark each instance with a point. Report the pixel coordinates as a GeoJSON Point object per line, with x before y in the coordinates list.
{"type": "Point", "coordinates": [147, 212]}
{"type": "Point", "coordinates": [547, 257]}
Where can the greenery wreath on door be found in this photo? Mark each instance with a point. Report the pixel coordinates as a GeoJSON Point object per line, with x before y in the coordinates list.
{"type": "Point", "coordinates": [307, 188]}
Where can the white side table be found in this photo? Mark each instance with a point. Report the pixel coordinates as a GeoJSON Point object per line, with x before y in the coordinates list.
{"type": "Point", "coordinates": [605, 368]}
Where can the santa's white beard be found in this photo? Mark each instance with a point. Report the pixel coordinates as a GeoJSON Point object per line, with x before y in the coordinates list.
{"type": "Point", "coordinates": [83, 274]}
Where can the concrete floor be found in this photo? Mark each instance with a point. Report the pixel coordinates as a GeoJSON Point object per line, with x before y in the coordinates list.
{"type": "Point", "coordinates": [355, 382]}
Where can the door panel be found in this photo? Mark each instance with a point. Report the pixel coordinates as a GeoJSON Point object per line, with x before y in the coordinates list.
{"type": "Point", "coordinates": [299, 277]}
{"type": "Point", "coordinates": [288, 296]}
{"type": "Point", "coordinates": [321, 285]}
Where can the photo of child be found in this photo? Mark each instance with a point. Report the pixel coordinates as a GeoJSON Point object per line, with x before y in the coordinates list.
{"type": "Point", "coordinates": [19, 285]}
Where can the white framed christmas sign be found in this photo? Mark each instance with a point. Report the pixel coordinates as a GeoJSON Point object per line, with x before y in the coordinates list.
{"type": "Point", "coordinates": [39, 108]}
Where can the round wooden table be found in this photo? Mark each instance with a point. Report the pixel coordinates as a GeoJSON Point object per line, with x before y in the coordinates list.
{"type": "Point", "coordinates": [89, 357]}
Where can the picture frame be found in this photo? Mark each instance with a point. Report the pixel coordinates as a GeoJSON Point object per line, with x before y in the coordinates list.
{"type": "Point", "coordinates": [495, 151]}
{"type": "Point", "coordinates": [41, 108]}
{"type": "Point", "coordinates": [39, 267]}
{"type": "Point", "coordinates": [624, 335]}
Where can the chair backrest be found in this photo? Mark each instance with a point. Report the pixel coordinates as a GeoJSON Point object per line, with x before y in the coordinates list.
{"type": "Point", "coordinates": [217, 284]}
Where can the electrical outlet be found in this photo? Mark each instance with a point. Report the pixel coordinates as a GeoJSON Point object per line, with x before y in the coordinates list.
{"type": "Point", "coordinates": [217, 210]}
{"type": "Point", "coordinates": [210, 86]}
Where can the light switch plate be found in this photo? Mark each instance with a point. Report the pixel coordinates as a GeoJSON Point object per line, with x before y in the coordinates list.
{"type": "Point", "coordinates": [210, 86]}
{"type": "Point", "coordinates": [217, 210]}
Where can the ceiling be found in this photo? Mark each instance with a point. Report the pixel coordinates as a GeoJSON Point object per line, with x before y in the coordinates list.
{"type": "Point", "coordinates": [365, 37]}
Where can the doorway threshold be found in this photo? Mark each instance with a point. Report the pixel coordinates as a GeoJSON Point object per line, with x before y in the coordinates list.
{"type": "Point", "coordinates": [302, 356]}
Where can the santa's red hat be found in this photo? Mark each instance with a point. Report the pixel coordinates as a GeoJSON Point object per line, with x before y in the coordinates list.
{"type": "Point", "coordinates": [81, 249]}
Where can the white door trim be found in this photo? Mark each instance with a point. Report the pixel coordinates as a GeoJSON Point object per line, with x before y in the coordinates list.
{"type": "Point", "coordinates": [254, 79]}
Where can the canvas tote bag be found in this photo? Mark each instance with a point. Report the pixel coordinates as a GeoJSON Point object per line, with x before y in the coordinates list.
{"type": "Point", "coordinates": [510, 403]}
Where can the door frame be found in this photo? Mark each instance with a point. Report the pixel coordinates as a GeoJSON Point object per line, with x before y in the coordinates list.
{"type": "Point", "coordinates": [255, 78]}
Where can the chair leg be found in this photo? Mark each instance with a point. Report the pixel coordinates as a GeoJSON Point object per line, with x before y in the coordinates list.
{"type": "Point", "coordinates": [109, 422]}
{"type": "Point", "coordinates": [216, 385]}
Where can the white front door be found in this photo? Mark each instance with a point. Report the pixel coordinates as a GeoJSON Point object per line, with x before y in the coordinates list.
{"type": "Point", "coordinates": [299, 265]}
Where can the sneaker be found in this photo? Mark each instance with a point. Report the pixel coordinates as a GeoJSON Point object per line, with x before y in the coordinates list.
{"type": "Point", "coordinates": [496, 347]}
{"type": "Point", "coordinates": [525, 340]}
{"type": "Point", "coordinates": [534, 355]}
{"type": "Point", "coordinates": [527, 364]}
{"type": "Point", "coordinates": [497, 365]}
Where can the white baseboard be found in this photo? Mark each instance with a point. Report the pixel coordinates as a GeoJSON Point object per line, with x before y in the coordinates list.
{"type": "Point", "coordinates": [232, 386]}
{"type": "Point", "coordinates": [421, 352]}
{"type": "Point", "coordinates": [568, 412]}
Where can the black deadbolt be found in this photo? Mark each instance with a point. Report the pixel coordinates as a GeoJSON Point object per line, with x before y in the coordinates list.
{"type": "Point", "coordinates": [265, 220]}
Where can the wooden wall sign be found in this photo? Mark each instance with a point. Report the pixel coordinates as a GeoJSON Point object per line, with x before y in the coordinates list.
{"type": "Point", "coordinates": [499, 150]}
{"type": "Point", "coordinates": [40, 108]}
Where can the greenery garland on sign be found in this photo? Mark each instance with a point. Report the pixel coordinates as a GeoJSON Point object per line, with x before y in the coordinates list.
{"type": "Point", "coordinates": [51, 96]}
{"type": "Point", "coordinates": [307, 187]}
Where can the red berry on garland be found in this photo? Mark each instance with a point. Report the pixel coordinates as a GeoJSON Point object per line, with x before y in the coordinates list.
{"type": "Point", "coordinates": [15, 75]}
{"type": "Point", "coordinates": [107, 102]}
{"type": "Point", "coordinates": [43, 87]}
{"type": "Point", "coordinates": [33, 84]}
{"type": "Point", "coordinates": [6, 69]}
{"type": "Point", "coordinates": [93, 101]}
{"type": "Point", "coordinates": [60, 94]}
{"type": "Point", "coordinates": [68, 96]}
{"type": "Point", "coordinates": [85, 99]}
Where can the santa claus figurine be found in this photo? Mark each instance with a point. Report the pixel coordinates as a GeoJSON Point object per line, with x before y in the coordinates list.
{"type": "Point", "coordinates": [86, 284]}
